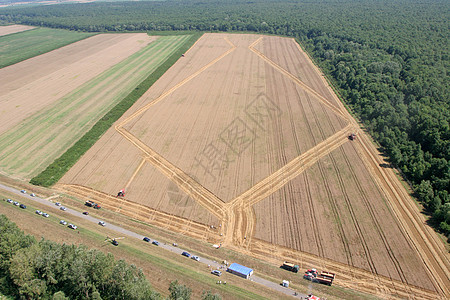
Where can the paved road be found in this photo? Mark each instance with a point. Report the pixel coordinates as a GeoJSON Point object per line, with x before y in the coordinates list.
{"type": "Point", "coordinates": [123, 231]}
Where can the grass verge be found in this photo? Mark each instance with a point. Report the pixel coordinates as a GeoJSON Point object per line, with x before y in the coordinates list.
{"type": "Point", "coordinates": [61, 165]}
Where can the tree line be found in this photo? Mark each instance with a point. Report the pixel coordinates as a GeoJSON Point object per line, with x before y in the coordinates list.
{"type": "Point", "coordinates": [31, 269]}
{"type": "Point", "coordinates": [387, 59]}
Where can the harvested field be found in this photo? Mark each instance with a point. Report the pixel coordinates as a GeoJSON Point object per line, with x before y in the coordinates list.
{"type": "Point", "coordinates": [245, 127]}
{"type": "Point", "coordinates": [5, 30]}
{"type": "Point", "coordinates": [335, 210]}
{"type": "Point", "coordinates": [18, 47]}
{"type": "Point", "coordinates": [55, 126]}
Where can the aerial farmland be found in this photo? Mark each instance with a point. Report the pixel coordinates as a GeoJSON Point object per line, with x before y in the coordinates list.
{"type": "Point", "coordinates": [243, 143]}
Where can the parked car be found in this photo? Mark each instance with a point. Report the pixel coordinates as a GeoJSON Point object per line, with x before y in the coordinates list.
{"type": "Point", "coordinates": [23, 206]}
{"type": "Point", "coordinates": [63, 208]}
{"type": "Point", "coordinates": [63, 222]}
{"type": "Point", "coordinates": [33, 195]}
{"type": "Point", "coordinates": [85, 213]}
{"type": "Point", "coordinates": [71, 226]}
{"type": "Point", "coordinates": [58, 204]}
{"type": "Point", "coordinates": [16, 203]}
{"type": "Point", "coordinates": [23, 191]}
{"type": "Point", "coordinates": [46, 215]}
{"type": "Point", "coordinates": [146, 239]}
{"type": "Point", "coordinates": [39, 212]}
{"type": "Point", "coordinates": [216, 272]}
{"type": "Point", "coordinates": [187, 254]}
{"type": "Point", "coordinates": [155, 243]}
{"type": "Point", "coordinates": [9, 201]}
{"type": "Point", "coordinates": [102, 223]}
{"type": "Point", "coordinates": [195, 257]}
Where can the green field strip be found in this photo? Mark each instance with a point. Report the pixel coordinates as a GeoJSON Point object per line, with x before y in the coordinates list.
{"type": "Point", "coordinates": [61, 165]}
{"type": "Point", "coordinates": [23, 45]}
{"type": "Point", "coordinates": [32, 145]}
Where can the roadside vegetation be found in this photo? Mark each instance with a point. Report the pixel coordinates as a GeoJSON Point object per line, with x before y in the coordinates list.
{"type": "Point", "coordinates": [388, 60]}
{"type": "Point", "coordinates": [47, 270]}
{"type": "Point", "coordinates": [61, 165]}
{"type": "Point", "coordinates": [20, 46]}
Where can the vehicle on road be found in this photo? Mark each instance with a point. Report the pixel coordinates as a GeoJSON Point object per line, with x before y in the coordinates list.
{"type": "Point", "coordinates": [146, 239]}
{"type": "Point", "coordinates": [102, 223]}
{"type": "Point", "coordinates": [155, 243]}
{"type": "Point", "coordinates": [62, 222]}
{"type": "Point", "coordinates": [33, 195]}
{"type": "Point", "coordinates": [187, 254]}
{"type": "Point", "coordinates": [216, 272]}
{"type": "Point", "coordinates": [63, 208]}
{"type": "Point", "coordinates": [9, 201]}
{"type": "Point", "coordinates": [23, 191]}
{"type": "Point", "coordinates": [58, 204]}
{"type": "Point", "coordinates": [39, 212]}
{"type": "Point", "coordinates": [290, 267]}
{"type": "Point", "coordinates": [16, 203]}
{"type": "Point", "coordinates": [45, 215]}
{"type": "Point", "coordinates": [175, 244]}
{"type": "Point", "coordinates": [23, 206]}
{"type": "Point", "coordinates": [85, 213]}
{"type": "Point", "coordinates": [71, 226]}
{"type": "Point", "coordinates": [195, 257]}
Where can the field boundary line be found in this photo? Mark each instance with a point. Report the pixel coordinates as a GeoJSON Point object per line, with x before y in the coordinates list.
{"type": "Point", "coordinates": [299, 82]}
{"type": "Point", "coordinates": [174, 88]}
{"type": "Point", "coordinates": [140, 212]}
{"type": "Point", "coordinates": [293, 168]}
{"type": "Point", "coordinates": [349, 276]}
{"type": "Point", "coordinates": [400, 205]}
{"type": "Point", "coordinates": [135, 173]}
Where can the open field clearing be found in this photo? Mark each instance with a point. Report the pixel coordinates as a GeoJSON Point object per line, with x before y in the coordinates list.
{"type": "Point", "coordinates": [24, 45]}
{"type": "Point", "coordinates": [53, 129]}
{"type": "Point", "coordinates": [31, 85]}
{"type": "Point", "coordinates": [5, 30]}
{"type": "Point", "coordinates": [245, 127]}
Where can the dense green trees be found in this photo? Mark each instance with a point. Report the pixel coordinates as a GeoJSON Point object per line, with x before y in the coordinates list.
{"type": "Point", "coordinates": [45, 269]}
{"type": "Point", "coordinates": [388, 59]}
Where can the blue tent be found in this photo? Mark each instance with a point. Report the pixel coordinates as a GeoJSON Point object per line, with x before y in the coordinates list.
{"type": "Point", "coordinates": [240, 270]}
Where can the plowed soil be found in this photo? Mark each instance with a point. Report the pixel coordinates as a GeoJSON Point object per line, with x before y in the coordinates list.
{"type": "Point", "coordinates": [246, 128]}
{"type": "Point", "coordinates": [5, 30]}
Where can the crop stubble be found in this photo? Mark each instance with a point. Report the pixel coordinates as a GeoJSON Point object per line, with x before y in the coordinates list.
{"type": "Point", "coordinates": [5, 30]}
{"type": "Point", "coordinates": [298, 178]}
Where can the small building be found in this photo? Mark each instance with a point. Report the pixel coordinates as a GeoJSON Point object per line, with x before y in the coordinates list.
{"type": "Point", "coordinates": [240, 270]}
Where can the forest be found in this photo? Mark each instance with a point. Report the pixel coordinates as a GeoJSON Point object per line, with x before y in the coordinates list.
{"type": "Point", "coordinates": [31, 269]}
{"type": "Point", "coordinates": [388, 60]}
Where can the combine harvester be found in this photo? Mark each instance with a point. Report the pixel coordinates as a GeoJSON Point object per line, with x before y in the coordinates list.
{"type": "Point", "coordinates": [323, 278]}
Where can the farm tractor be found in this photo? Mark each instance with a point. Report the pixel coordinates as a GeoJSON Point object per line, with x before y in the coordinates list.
{"type": "Point", "coordinates": [352, 137]}
{"type": "Point", "coordinates": [121, 193]}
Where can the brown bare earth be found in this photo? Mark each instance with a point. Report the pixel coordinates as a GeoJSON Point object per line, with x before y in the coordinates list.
{"type": "Point", "coordinates": [5, 30]}
{"type": "Point", "coordinates": [33, 84]}
{"type": "Point", "coordinates": [243, 143]}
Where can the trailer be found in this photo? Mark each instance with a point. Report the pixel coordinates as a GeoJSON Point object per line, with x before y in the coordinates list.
{"type": "Point", "coordinates": [290, 267]}
{"type": "Point", "coordinates": [323, 278]}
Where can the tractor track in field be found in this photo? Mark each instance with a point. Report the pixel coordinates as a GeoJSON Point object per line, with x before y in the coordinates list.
{"type": "Point", "coordinates": [412, 223]}
{"type": "Point", "coordinates": [374, 219]}
{"type": "Point", "coordinates": [238, 219]}
{"type": "Point", "coordinates": [140, 212]}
